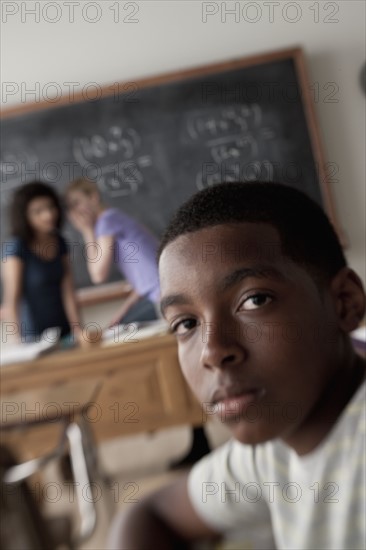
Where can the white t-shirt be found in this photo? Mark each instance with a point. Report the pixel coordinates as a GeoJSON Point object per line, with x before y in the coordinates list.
{"type": "Point", "coordinates": [268, 497]}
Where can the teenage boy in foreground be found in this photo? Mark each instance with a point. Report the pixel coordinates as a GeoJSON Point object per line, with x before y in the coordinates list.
{"type": "Point", "coordinates": [256, 288]}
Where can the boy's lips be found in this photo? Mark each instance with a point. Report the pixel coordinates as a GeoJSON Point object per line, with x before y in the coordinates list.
{"type": "Point", "coordinates": [232, 401]}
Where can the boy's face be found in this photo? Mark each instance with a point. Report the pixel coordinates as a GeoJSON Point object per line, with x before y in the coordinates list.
{"type": "Point", "coordinates": [256, 337]}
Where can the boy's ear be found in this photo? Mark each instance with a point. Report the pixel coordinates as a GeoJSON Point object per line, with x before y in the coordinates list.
{"type": "Point", "coordinates": [349, 298]}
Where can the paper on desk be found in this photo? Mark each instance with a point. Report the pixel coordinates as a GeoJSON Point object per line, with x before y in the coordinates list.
{"type": "Point", "coordinates": [134, 332]}
{"type": "Point", "coordinates": [27, 352]}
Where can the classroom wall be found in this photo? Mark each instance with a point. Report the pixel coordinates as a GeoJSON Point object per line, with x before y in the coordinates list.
{"type": "Point", "coordinates": [71, 45]}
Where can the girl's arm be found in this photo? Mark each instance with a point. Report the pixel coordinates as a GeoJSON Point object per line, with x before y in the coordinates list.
{"type": "Point", "coordinates": [69, 298]}
{"type": "Point", "coordinates": [99, 255]}
{"type": "Point", "coordinates": [12, 279]}
{"type": "Point", "coordinates": [130, 301]}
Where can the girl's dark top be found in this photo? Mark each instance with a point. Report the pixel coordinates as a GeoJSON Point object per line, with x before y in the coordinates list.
{"type": "Point", "coordinates": [41, 302]}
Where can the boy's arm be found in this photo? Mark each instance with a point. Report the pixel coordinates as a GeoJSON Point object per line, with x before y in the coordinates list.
{"type": "Point", "coordinates": [165, 517]}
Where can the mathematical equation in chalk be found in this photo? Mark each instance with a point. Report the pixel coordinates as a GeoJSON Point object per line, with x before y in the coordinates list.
{"type": "Point", "coordinates": [212, 173]}
{"type": "Point", "coordinates": [101, 156]}
{"type": "Point", "coordinates": [120, 179]}
{"type": "Point", "coordinates": [232, 132]}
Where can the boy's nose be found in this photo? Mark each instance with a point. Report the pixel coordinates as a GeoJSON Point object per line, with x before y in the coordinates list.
{"type": "Point", "coordinates": [221, 346]}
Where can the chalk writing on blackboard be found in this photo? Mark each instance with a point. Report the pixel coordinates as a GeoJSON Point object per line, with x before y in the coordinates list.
{"type": "Point", "coordinates": [212, 173]}
{"type": "Point", "coordinates": [206, 124]}
{"type": "Point", "coordinates": [150, 154]}
{"type": "Point", "coordinates": [95, 153]}
{"type": "Point", "coordinates": [124, 141]}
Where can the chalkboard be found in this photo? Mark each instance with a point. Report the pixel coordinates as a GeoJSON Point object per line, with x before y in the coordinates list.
{"type": "Point", "coordinates": [151, 144]}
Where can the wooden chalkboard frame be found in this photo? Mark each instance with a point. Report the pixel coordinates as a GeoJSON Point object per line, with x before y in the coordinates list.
{"type": "Point", "coordinates": [113, 291]}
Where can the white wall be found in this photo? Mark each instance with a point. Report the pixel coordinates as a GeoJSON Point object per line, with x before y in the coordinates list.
{"type": "Point", "coordinates": [172, 35]}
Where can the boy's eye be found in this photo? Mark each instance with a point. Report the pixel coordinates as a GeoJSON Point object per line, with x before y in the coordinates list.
{"type": "Point", "coordinates": [255, 301]}
{"type": "Point", "coordinates": [182, 327]}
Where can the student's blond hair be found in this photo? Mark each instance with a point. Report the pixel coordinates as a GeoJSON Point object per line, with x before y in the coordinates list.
{"type": "Point", "coordinates": [84, 185]}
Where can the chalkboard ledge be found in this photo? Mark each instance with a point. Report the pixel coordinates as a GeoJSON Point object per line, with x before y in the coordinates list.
{"type": "Point", "coordinates": [103, 293]}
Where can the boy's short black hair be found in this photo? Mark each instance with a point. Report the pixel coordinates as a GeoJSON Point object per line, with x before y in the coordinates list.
{"type": "Point", "coordinates": [307, 236]}
{"type": "Point", "coordinates": [20, 226]}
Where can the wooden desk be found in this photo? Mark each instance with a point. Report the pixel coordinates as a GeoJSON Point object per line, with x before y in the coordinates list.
{"type": "Point", "coordinates": [141, 388]}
